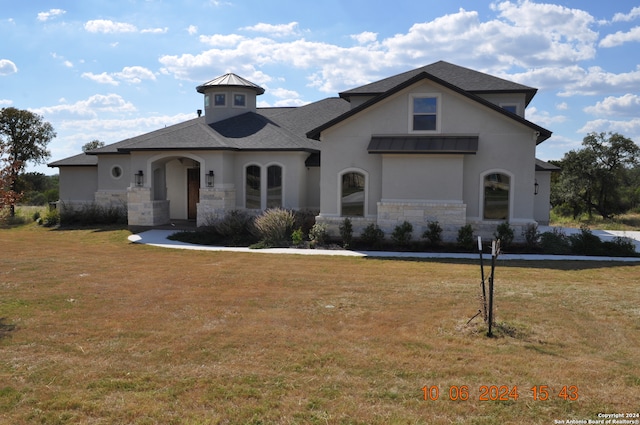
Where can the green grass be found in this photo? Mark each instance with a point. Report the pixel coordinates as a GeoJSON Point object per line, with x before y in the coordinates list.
{"type": "Point", "coordinates": [94, 329]}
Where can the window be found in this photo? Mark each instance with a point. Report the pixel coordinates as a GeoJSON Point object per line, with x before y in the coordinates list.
{"type": "Point", "coordinates": [496, 196]}
{"type": "Point", "coordinates": [424, 113]}
{"type": "Point", "coordinates": [207, 100]}
{"type": "Point", "coordinates": [252, 188]}
{"type": "Point", "coordinates": [274, 186]}
{"type": "Point", "coordinates": [352, 195]}
{"type": "Point", "coordinates": [513, 108]}
{"type": "Point", "coordinates": [219, 99]}
{"type": "Point", "coordinates": [239, 100]}
{"type": "Point", "coordinates": [116, 172]}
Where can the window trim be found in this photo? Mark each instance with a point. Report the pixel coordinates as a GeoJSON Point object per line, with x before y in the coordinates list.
{"type": "Point", "coordinates": [511, 194]}
{"type": "Point", "coordinates": [264, 183]}
{"type": "Point", "coordinates": [438, 112]}
{"type": "Point", "coordinates": [365, 212]}
{"type": "Point", "coordinates": [113, 168]}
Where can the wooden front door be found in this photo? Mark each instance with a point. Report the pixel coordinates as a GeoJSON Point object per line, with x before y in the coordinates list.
{"type": "Point", "coordinates": [193, 192]}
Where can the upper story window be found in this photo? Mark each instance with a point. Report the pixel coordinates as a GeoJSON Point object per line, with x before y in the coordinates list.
{"type": "Point", "coordinates": [511, 107]}
{"type": "Point", "coordinates": [219, 99]}
{"type": "Point", "coordinates": [239, 100]}
{"type": "Point", "coordinates": [425, 109]}
{"type": "Point", "coordinates": [207, 100]}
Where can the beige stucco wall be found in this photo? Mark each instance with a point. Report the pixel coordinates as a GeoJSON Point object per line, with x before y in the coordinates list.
{"type": "Point", "coordinates": [78, 184]}
{"type": "Point", "coordinates": [504, 146]}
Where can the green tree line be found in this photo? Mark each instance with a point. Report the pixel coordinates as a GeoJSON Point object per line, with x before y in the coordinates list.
{"type": "Point", "coordinates": [603, 177]}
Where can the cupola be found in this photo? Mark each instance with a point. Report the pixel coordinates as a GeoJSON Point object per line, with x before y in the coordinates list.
{"type": "Point", "coordinates": [227, 96]}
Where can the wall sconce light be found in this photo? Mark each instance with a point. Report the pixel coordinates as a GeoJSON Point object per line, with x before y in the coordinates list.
{"type": "Point", "coordinates": [210, 179]}
{"type": "Point", "coordinates": [139, 178]}
{"type": "Point", "coordinates": [535, 187]}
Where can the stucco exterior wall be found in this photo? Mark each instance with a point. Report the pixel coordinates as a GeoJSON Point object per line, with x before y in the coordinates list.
{"type": "Point", "coordinates": [78, 184]}
{"type": "Point", "coordinates": [542, 204]}
{"type": "Point", "coordinates": [504, 146]}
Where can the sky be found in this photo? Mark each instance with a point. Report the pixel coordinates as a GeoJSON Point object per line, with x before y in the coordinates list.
{"type": "Point", "coordinates": [113, 69]}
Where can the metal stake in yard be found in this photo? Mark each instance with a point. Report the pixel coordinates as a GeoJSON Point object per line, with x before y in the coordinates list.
{"type": "Point", "coordinates": [484, 292]}
{"type": "Point", "coordinates": [495, 251]}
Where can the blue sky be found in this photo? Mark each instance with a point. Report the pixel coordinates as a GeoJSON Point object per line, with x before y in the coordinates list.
{"type": "Point", "coordinates": [114, 69]}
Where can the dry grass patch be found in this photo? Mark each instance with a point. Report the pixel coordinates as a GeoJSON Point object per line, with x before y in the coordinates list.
{"type": "Point", "coordinates": [96, 330]}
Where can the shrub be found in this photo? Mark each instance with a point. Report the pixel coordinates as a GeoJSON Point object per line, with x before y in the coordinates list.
{"type": "Point", "coordinates": [531, 235]}
{"type": "Point", "coordinates": [465, 237]}
{"type": "Point", "coordinates": [346, 232]}
{"type": "Point", "coordinates": [372, 235]}
{"type": "Point", "coordinates": [504, 232]}
{"type": "Point", "coordinates": [585, 242]}
{"type": "Point", "coordinates": [318, 234]}
{"type": "Point", "coordinates": [433, 233]}
{"type": "Point", "coordinates": [620, 247]}
{"type": "Point", "coordinates": [274, 226]}
{"type": "Point", "coordinates": [93, 213]}
{"type": "Point", "coordinates": [555, 242]}
{"type": "Point", "coordinates": [235, 228]}
{"type": "Point", "coordinates": [305, 219]}
{"type": "Point", "coordinates": [51, 218]}
{"type": "Point", "coordinates": [297, 237]}
{"type": "Point", "coordinates": [402, 233]}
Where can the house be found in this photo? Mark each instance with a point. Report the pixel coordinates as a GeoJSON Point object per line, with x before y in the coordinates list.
{"type": "Point", "coordinates": [439, 143]}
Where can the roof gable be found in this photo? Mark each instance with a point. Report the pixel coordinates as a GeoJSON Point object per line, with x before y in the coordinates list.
{"type": "Point", "coordinates": [414, 78]}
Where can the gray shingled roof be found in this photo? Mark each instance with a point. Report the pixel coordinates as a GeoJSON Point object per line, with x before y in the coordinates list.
{"type": "Point", "coordinates": [268, 129]}
{"type": "Point", "coordinates": [464, 78]}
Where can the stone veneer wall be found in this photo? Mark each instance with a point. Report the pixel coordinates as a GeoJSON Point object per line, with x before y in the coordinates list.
{"type": "Point", "coordinates": [107, 198]}
{"type": "Point", "coordinates": [214, 203]}
{"type": "Point", "coordinates": [142, 211]}
{"type": "Point", "coordinates": [451, 216]}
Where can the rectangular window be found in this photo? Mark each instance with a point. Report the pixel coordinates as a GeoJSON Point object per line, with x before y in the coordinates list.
{"type": "Point", "coordinates": [239, 100]}
{"type": "Point", "coordinates": [425, 113]}
{"type": "Point", "coordinates": [207, 100]}
{"type": "Point", "coordinates": [219, 99]}
{"type": "Point", "coordinates": [510, 107]}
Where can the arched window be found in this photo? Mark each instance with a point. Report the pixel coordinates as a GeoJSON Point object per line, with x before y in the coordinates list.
{"type": "Point", "coordinates": [352, 196]}
{"type": "Point", "coordinates": [274, 186]}
{"type": "Point", "coordinates": [496, 196]}
{"type": "Point", "coordinates": [252, 188]}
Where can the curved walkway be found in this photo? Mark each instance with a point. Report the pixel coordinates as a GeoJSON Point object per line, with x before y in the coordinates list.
{"type": "Point", "coordinates": [158, 238]}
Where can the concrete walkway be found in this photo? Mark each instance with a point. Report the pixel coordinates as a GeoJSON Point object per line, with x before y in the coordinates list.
{"type": "Point", "coordinates": [159, 238]}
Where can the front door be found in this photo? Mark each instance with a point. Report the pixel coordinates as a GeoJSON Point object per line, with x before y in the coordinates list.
{"type": "Point", "coordinates": [193, 192]}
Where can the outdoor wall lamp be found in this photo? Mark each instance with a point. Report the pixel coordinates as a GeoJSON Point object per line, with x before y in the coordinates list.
{"type": "Point", "coordinates": [210, 179]}
{"type": "Point", "coordinates": [535, 187]}
{"type": "Point", "coordinates": [139, 178]}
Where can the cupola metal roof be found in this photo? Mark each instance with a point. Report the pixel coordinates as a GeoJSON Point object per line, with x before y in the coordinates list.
{"type": "Point", "coordinates": [230, 80]}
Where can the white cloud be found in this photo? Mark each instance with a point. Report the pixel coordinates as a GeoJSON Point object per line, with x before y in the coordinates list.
{"type": "Point", "coordinates": [627, 105]}
{"type": "Point", "coordinates": [7, 67]}
{"type": "Point", "coordinates": [284, 93]}
{"type": "Point", "coordinates": [280, 30]}
{"type": "Point", "coordinates": [543, 118]}
{"type": "Point", "coordinates": [103, 78]}
{"type": "Point", "coordinates": [192, 30]}
{"type": "Point", "coordinates": [619, 38]}
{"type": "Point", "coordinates": [129, 74]}
{"type": "Point", "coordinates": [52, 13]}
{"type": "Point", "coordinates": [112, 103]}
{"type": "Point", "coordinates": [621, 17]}
{"type": "Point", "coordinates": [630, 128]}
{"type": "Point", "coordinates": [219, 40]}
{"type": "Point", "coordinates": [562, 106]}
{"type": "Point", "coordinates": [596, 81]}
{"type": "Point", "coordinates": [365, 37]}
{"type": "Point", "coordinates": [155, 30]}
{"type": "Point", "coordinates": [6, 102]}
{"type": "Point", "coordinates": [107, 26]}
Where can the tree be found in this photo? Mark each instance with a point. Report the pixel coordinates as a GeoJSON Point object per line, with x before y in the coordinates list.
{"type": "Point", "coordinates": [597, 177]}
{"type": "Point", "coordinates": [24, 137]}
{"type": "Point", "coordinates": [94, 144]}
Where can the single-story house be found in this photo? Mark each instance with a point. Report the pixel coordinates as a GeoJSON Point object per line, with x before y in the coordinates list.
{"type": "Point", "coordinates": [439, 143]}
